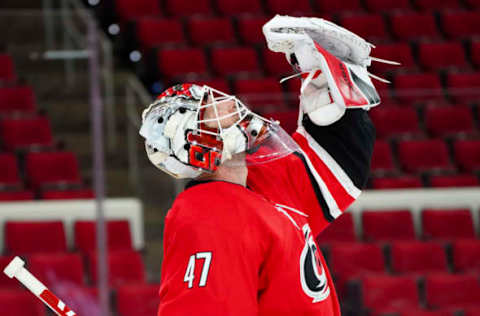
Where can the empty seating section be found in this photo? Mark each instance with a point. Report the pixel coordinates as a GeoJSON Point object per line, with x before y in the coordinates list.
{"type": "Point", "coordinates": [128, 10]}
{"type": "Point", "coordinates": [174, 62]}
{"type": "Point", "coordinates": [460, 24]}
{"type": "Point", "coordinates": [466, 255]}
{"type": "Point", "coordinates": [234, 7]}
{"type": "Point", "coordinates": [228, 61]}
{"type": "Point", "coordinates": [24, 133]}
{"type": "Point", "coordinates": [405, 26]}
{"type": "Point", "coordinates": [20, 303]}
{"type": "Point", "coordinates": [418, 257]}
{"type": "Point", "coordinates": [260, 93]}
{"type": "Point", "coordinates": [341, 230]}
{"type": "Point", "coordinates": [447, 224]}
{"type": "Point", "coordinates": [31, 237]}
{"type": "Point", "coordinates": [447, 120]}
{"type": "Point", "coordinates": [382, 160]}
{"type": "Point", "coordinates": [53, 269]}
{"type": "Point", "coordinates": [424, 155]}
{"type": "Point", "coordinates": [137, 299]}
{"type": "Point", "coordinates": [442, 55]}
{"type": "Point", "coordinates": [395, 121]}
{"type": "Point", "coordinates": [371, 27]}
{"type": "Point", "coordinates": [16, 99]}
{"type": "Point", "coordinates": [439, 293]}
{"type": "Point", "coordinates": [7, 69]}
{"type": "Point", "coordinates": [149, 34]}
{"type": "Point", "coordinates": [210, 30]}
{"type": "Point", "coordinates": [461, 87]}
{"type": "Point", "coordinates": [467, 154]}
{"type": "Point", "coordinates": [9, 170]}
{"type": "Point", "coordinates": [185, 7]}
{"type": "Point", "coordinates": [118, 235]}
{"type": "Point", "coordinates": [388, 225]}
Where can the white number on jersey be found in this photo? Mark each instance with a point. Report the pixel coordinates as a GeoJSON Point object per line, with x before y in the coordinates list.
{"type": "Point", "coordinates": [190, 272]}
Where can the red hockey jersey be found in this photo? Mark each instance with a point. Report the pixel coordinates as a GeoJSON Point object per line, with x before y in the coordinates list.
{"type": "Point", "coordinates": [234, 250]}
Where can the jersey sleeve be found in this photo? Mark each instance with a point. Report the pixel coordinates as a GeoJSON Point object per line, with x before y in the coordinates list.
{"type": "Point", "coordinates": [207, 271]}
{"type": "Point", "coordinates": [337, 159]}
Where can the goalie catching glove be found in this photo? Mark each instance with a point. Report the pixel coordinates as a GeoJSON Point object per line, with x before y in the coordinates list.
{"type": "Point", "coordinates": [332, 62]}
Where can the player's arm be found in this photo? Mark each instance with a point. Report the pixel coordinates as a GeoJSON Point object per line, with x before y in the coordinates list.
{"type": "Point", "coordinates": [204, 272]}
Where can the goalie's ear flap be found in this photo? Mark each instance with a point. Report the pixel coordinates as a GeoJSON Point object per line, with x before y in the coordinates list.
{"type": "Point", "coordinates": [349, 84]}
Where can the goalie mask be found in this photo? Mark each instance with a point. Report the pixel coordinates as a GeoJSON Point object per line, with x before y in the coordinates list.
{"type": "Point", "coordinates": [190, 129]}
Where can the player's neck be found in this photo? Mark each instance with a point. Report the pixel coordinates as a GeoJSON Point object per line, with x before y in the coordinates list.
{"type": "Point", "coordinates": [234, 171]}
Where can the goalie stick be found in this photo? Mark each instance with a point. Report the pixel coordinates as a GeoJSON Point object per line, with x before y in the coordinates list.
{"type": "Point", "coordinates": [15, 269]}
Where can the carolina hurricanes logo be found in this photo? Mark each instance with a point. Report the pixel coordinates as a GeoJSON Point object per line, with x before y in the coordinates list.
{"type": "Point", "coordinates": [312, 275]}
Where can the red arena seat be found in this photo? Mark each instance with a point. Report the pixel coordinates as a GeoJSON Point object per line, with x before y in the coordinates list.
{"type": "Point", "coordinates": [458, 24]}
{"type": "Point", "coordinates": [17, 99]}
{"type": "Point", "coordinates": [430, 5]}
{"type": "Point", "coordinates": [118, 235]}
{"type": "Point", "coordinates": [418, 257]}
{"type": "Point", "coordinates": [405, 182]}
{"type": "Point", "coordinates": [182, 62]}
{"type": "Point", "coordinates": [460, 180]}
{"type": "Point", "coordinates": [422, 312]}
{"type": "Point", "coordinates": [260, 93]}
{"type": "Point", "coordinates": [384, 294]}
{"type": "Point", "coordinates": [288, 119]}
{"type": "Point", "coordinates": [9, 170]}
{"type": "Point", "coordinates": [333, 6]}
{"type": "Point", "coordinates": [131, 10]}
{"type": "Point", "coordinates": [473, 3]}
{"type": "Point", "coordinates": [452, 290]}
{"type": "Point", "coordinates": [447, 224]}
{"type": "Point", "coordinates": [399, 52]}
{"type": "Point", "coordinates": [475, 53]}
{"type": "Point", "coordinates": [7, 68]}
{"type": "Point", "coordinates": [124, 267]}
{"type": "Point", "coordinates": [210, 30]}
{"type": "Point", "coordinates": [228, 61]}
{"type": "Point", "coordinates": [424, 155]}
{"type": "Point", "coordinates": [462, 87]}
{"type": "Point", "coordinates": [26, 133]}
{"type": "Point", "coordinates": [20, 303]}
{"type": "Point", "coordinates": [235, 7]}
{"type": "Point", "coordinates": [16, 196]}
{"type": "Point", "coordinates": [217, 83]}
{"type": "Point", "coordinates": [382, 159]}
{"type": "Point", "coordinates": [395, 121]}
{"type": "Point", "coordinates": [341, 230]}
{"type": "Point", "coordinates": [276, 64]}
{"type": "Point", "coordinates": [185, 7]}
{"type": "Point", "coordinates": [466, 255]}
{"type": "Point", "coordinates": [57, 269]}
{"type": "Point", "coordinates": [369, 26]}
{"type": "Point", "coordinates": [52, 168]}
{"type": "Point", "coordinates": [387, 5]}
{"type": "Point", "coordinates": [137, 299]}
{"type": "Point", "coordinates": [68, 195]}
{"type": "Point", "coordinates": [148, 34]}
{"type": "Point", "coordinates": [31, 237]}
{"type": "Point", "coordinates": [5, 281]}
{"type": "Point", "coordinates": [467, 154]}
{"type": "Point", "coordinates": [387, 225]}
{"type": "Point", "coordinates": [290, 7]}
{"type": "Point", "coordinates": [418, 87]}
{"type": "Point", "coordinates": [471, 311]}
{"type": "Point", "coordinates": [447, 120]}
{"type": "Point", "coordinates": [442, 55]}
{"type": "Point", "coordinates": [403, 26]}
{"type": "Point", "coordinates": [250, 28]}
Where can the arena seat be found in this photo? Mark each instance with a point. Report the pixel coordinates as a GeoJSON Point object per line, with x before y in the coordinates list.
{"type": "Point", "coordinates": [411, 88]}
{"type": "Point", "coordinates": [181, 62]}
{"type": "Point", "coordinates": [235, 7]}
{"type": "Point", "coordinates": [462, 87]}
{"type": "Point", "coordinates": [219, 83]}
{"type": "Point", "coordinates": [403, 182]}
{"type": "Point", "coordinates": [17, 99]}
{"type": "Point", "coordinates": [424, 155]}
{"type": "Point", "coordinates": [130, 10]}
{"type": "Point", "coordinates": [20, 303]}
{"type": "Point", "coordinates": [452, 290]}
{"type": "Point", "coordinates": [7, 69]}
{"type": "Point", "coordinates": [260, 93]}
{"type": "Point", "coordinates": [422, 312]}
{"type": "Point", "coordinates": [447, 224]}
{"type": "Point", "coordinates": [471, 311]}
{"type": "Point", "coordinates": [68, 194]}
{"type": "Point", "coordinates": [119, 236]}
{"type": "Point", "coordinates": [473, 3]}
{"type": "Point", "coordinates": [387, 5]}
{"type": "Point", "coordinates": [59, 268]}
{"type": "Point", "coordinates": [467, 154]}
{"type": "Point", "coordinates": [5, 281]}
{"type": "Point", "coordinates": [30, 237]}
{"type": "Point", "coordinates": [26, 133]}
{"type": "Point", "coordinates": [433, 56]}
{"type": "Point", "coordinates": [341, 230]}
{"type": "Point", "coordinates": [204, 30]}
{"type": "Point", "coordinates": [431, 5]}
{"type": "Point", "coordinates": [16, 196]}
{"type": "Point", "coordinates": [353, 260]}
{"type": "Point", "coordinates": [475, 52]}
{"type": "Point", "coordinates": [405, 26]}
{"type": "Point", "coordinates": [9, 176]}
{"type": "Point", "coordinates": [288, 119]}
{"type": "Point", "coordinates": [448, 120]}
{"type": "Point", "coordinates": [382, 159]}
{"type": "Point", "coordinates": [460, 180]}
{"type": "Point", "coordinates": [369, 26]}
{"type": "Point", "coordinates": [276, 63]}
{"type": "Point", "coordinates": [290, 7]}
{"type": "Point", "coordinates": [460, 24]}
{"type": "Point", "coordinates": [250, 28]}
{"type": "Point", "coordinates": [124, 267]}
{"type": "Point", "coordinates": [234, 60]}
{"type": "Point", "coordinates": [137, 299]}
{"type": "Point", "coordinates": [384, 294]}
{"type": "Point", "coordinates": [466, 255]}
{"type": "Point", "coordinates": [333, 6]}
{"type": "Point", "coordinates": [385, 226]}
{"type": "Point", "coordinates": [148, 34]}
{"type": "Point", "coordinates": [186, 8]}
{"type": "Point", "coordinates": [52, 168]}
{"type": "Point", "coordinates": [399, 52]}
{"type": "Point", "coordinates": [395, 121]}
{"type": "Point", "coordinates": [418, 257]}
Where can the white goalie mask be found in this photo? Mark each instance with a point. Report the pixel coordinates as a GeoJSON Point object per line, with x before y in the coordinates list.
{"type": "Point", "coordinates": [190, 129]}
